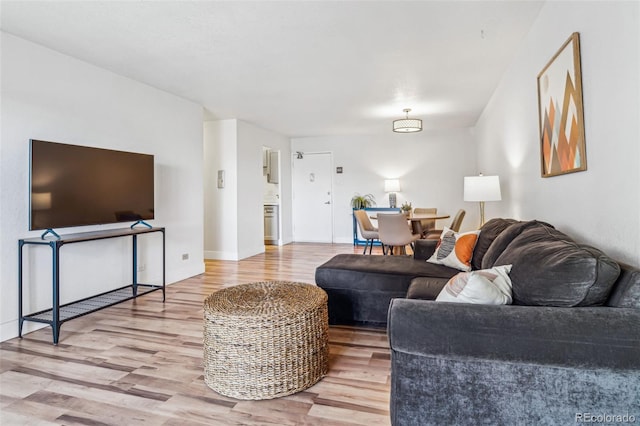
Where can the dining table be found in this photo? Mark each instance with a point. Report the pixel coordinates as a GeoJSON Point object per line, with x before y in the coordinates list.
{"type": "Point", "coordinates": [416, 219]}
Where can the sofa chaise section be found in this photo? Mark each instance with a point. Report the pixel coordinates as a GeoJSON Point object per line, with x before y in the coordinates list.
{"type": "Point", "coordinates": [360, 288]}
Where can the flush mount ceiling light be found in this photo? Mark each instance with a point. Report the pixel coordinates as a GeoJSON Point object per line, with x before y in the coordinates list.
{"type": "Point", "coordinates": [407, 125]}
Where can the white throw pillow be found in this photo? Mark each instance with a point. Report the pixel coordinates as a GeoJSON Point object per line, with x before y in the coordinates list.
{"type": "Point", "coordinates": [486, 286]}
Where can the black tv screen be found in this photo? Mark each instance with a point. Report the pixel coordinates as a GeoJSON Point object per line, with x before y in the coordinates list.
{"type": "Point", "coordinates": [75, 185]}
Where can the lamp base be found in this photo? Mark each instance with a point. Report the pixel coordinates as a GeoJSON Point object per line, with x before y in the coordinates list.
{"type": "Point", "coordinates": [481, 213]}
{"type": "Point", "coordinates": [392, 200]}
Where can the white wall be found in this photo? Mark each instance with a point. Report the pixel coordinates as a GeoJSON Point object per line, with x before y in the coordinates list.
{"type": "Point", "coordinates": [430, 165]}
{"type": "Point", "coordinates": [50, 96]}
{"type": "Point", "coordinates": [234, 215]}
{"type": "Point", "coordinates": [220, 212]}
{"type": "Point", "coordinates": [600, 206]}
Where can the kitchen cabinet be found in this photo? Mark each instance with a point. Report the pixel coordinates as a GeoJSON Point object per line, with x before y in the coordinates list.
{"type": "Point", "coordinates": [271, 229]}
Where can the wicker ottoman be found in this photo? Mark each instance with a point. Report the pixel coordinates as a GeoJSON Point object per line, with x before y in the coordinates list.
{"type": "Point", "coordinates": [265, 340]}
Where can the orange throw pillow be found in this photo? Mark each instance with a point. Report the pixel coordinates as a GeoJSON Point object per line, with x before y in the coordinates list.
{"type": "Point", "coordinates": [455, 250]}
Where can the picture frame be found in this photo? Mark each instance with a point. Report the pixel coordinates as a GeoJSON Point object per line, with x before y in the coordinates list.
{"type": "Point", "coordinates": [561, 113]}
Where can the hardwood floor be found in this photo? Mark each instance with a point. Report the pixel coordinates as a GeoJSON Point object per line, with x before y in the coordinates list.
{"type": "Point", "coordinates": [140, 362]}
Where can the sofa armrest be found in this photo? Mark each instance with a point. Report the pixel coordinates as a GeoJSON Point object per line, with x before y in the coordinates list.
{"type": "Point", "coordinates": [593, 337]}
{"type": "Point", "coordinates": [424, 249]}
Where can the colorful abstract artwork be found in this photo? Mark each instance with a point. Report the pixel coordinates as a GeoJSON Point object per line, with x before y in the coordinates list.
{"type": "Point", "coordinates": [562, 145]}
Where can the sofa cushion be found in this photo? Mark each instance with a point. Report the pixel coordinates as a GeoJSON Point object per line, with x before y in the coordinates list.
{"type": "Point", "coordinates": [424, 249]}
{"type": "Point", "coordinates": [426, 288]}
{"type": "Point", "coordinates": [455, 249]}
{"type": "Point", "coordinates": [488, 233]}
{"type": "Point", "coordinates": [486, 287]}
{"type": "Point", "coordinates": [505, 238]}
{"type": "Point", "coordinates": [626, 291]}
{"type": "Point", "coordinates": [550, 269]}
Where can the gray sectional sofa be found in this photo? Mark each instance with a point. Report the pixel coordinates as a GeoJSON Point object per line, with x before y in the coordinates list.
{"type": "Point", "coordinates": [567, 350]}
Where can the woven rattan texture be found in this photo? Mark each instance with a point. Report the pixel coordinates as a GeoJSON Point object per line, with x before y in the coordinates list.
{"type": "Point", "coordinates": [265, 340]}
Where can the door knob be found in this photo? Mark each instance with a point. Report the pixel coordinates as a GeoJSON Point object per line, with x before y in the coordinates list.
{"type": "Point", "coordinates": [328, 202]}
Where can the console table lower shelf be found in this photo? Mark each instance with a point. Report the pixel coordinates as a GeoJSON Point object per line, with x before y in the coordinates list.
{"type": "Point", "coordinates": [90, 304]}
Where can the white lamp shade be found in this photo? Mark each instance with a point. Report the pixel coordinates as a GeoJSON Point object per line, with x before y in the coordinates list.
{"type": "Point", "coordinates": [392, 185]}
{"type": "Point", "coordinates": [482, 188]}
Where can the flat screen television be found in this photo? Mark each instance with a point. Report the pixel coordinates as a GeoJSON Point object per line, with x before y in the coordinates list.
{"type": "Point", "coordinates": [73, 185]}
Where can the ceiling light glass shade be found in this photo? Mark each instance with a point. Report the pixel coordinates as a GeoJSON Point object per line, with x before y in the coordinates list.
{"type": "Point", "coordinates": [407, 125]}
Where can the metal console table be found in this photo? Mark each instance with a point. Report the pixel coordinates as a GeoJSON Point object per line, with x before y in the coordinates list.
{"type": "Point", "coordinates": [60, 314]}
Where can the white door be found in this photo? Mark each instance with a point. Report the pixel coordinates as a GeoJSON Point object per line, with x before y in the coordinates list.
{"type": "Point", "coordinates": [312, 208]}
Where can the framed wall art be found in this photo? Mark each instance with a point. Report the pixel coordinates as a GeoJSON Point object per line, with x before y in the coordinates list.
{"type": "Point", "coordinates": [562, 144]}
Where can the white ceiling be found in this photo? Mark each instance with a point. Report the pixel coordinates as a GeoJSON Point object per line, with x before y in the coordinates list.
{"type": "Point", "coordinates": [297, 68]}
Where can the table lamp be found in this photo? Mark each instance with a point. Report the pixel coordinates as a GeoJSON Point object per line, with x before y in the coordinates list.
{"type": "Point", "coordinates": [482, 188]}
{"type": "Point", "coordinates": [392, 186]}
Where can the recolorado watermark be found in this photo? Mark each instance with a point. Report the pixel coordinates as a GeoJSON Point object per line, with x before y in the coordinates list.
{"type": "Point", "coordinates": [605, 418]}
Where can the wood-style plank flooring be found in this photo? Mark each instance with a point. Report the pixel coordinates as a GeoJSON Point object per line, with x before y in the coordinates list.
{"type": "Point", "coordinates": [140, 362]}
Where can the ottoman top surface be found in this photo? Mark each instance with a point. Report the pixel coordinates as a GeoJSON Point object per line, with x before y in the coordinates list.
{"type": "Point", "coordinates": [265, 299]}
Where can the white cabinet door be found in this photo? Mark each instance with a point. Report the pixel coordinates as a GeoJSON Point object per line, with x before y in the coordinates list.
{"type": "Point", "coordinates": [273, 175]}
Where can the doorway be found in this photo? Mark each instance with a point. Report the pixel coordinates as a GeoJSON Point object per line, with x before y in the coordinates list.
{"type": "Point", "coordinates": [271, 195]}
{"type": "Point", "coordinates": [312, 197]}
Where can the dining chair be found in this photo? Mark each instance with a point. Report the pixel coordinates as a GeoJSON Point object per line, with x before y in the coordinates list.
{"type": "Point", "coordinates": [367, 230]}
{"type": "Point", "coordinates": [434, 234]}
{"type": "Point", "coordinates": [394, 231]}
{"type": "Point", "coordinates": [427, 224]}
